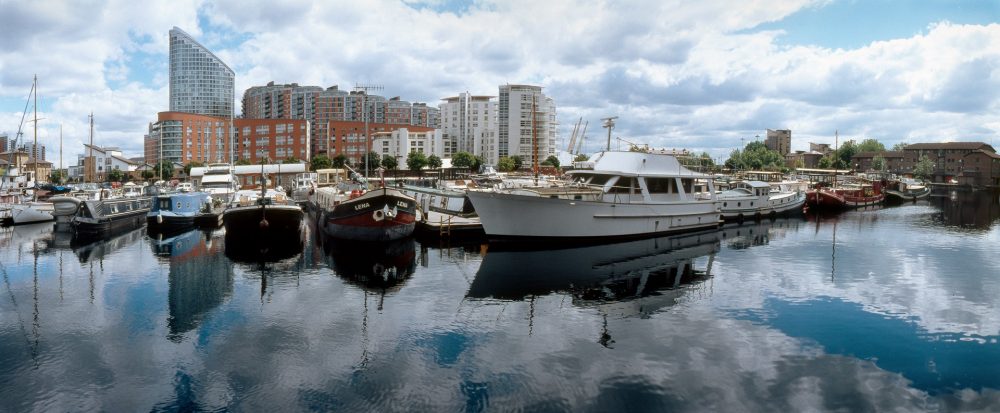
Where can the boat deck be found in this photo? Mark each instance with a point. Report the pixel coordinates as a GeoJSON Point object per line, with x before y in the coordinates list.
{"type": "Point", "coordinates": [443, 225]}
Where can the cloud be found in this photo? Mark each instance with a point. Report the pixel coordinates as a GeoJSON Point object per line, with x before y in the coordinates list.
{"type": "Point", "coordinates": [677, 73]}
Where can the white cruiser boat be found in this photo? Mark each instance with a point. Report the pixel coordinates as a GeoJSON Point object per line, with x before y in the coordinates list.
{"type": "Point", "coordinates": [614, 194]}
{"type": "Point", "coordinates": [755, 199]}
{"type": "Point", "coordinates": [219, 182]}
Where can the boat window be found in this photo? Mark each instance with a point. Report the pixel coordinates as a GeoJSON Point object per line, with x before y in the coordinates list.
{"type": "Point", "coordinates": [660, 185]}
{"type": "Point", "coordinates": [598, 179]}
{"type": "Point", "coordinates": [688, 185]}
{"type": "Point", "coordinates": [624, 185]}
{"type": "Point", "coordinates": [165, 204]}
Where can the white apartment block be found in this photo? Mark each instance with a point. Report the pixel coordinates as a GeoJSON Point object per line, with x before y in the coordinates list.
{"type": "Point", "coordinates": [525, 118]}
{"type": "Point", "coordinates": [466, 121]}
{"type": "Point", "coordinates": [106, 160]}
{"type": "Point", "coordinates": [400, 142]}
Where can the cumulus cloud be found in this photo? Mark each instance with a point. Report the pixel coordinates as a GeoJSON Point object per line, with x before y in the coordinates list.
{"type": "Point", "coordinates": [676, 73]}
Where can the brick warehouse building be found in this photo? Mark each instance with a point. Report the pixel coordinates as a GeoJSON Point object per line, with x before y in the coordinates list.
{"type": "Point", "coordinates": [968, 163]}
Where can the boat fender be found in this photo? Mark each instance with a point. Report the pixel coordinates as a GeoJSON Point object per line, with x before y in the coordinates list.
{"type": "Point", "coordinates": [378, 215]}
{"type": "Point", "coordinates": [159, 219]}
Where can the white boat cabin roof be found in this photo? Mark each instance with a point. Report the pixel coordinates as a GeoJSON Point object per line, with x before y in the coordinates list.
{"type": "Point", "coordinates": [635, 164]}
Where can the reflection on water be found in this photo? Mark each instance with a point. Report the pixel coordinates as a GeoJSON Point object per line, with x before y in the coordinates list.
{"type": "Point", "coordinates": [375, 267]}
{"type": "Point", "coordinates": [608, 272]}
{"type": "Point", "coordinates": [88, 249]}
{"type": "Point", "coordinates": [260, 251]}
{"type": "Point", "coordinates": [891, 309]}
{"type": "Point", "coordinates": [199, 278]}
{"type": "Point", "coordinates": [967, 210]}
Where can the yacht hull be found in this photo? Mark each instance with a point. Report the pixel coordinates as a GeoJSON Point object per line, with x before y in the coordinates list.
{"type": "Point", "coordinates": [519, 216]}
{"type": "Point", "coordinates": [32, 212]}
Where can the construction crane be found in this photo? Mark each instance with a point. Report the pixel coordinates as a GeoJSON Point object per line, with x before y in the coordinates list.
{"type": "Point", "coordinates": [572, 136]}
{"type": "Point", "coordinates": [610, 124]}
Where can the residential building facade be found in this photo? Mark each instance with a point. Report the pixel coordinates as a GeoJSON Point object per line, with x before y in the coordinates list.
{"type": "Point", "coordinates": [348, 137]}
{"type": "Point", "coordinates": [200, 82]}
{"type": "Point", "coordinates": [182, 137]}
{"type": "Point", "coordinates": [526, 124]}
{"type": "Point", "coordinates": [96, 162]}
{"type": "Point", "coordinates": [401, 142]}
{"type": "Point", "coordinates": [862, 161]}
{"type": "Point", "coordinates": [466, 121]}
{"type": "Point", "coordinates": [949, 161]}
{"type": "Point", "coordinates": [272, 140]}
{"type": "Point", "coordinates": [321, 106]}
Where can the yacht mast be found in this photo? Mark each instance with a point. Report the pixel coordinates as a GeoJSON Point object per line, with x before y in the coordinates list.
{"type": "Point", "coordinates": [34, 149]}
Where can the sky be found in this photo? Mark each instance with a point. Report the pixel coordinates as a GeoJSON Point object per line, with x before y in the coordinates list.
{"type": "Point", "coordinates": [706, 76]}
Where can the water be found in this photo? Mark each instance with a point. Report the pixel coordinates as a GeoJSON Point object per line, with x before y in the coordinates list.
{"type": "Point", "coordinates": [889, 309]}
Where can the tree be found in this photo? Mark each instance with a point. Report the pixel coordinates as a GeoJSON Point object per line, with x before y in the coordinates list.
{"type": "Point", "coordinates": [462, 160]}
{"type": "Point", "coordinates": [192, 164]}
{"type": "Point", "coordinates": [373, 159]}
{"type": "Point", "coordinates": [477, 163]}
{"type": "Point", "coordinates": [434, 162]}
{"type": "Point", "coordinates": [390, 163]}
{"type": "Point", "coordinates": [799, 163]}
{"type": "Point", "coordinates": [825, 162]}
{"type": "Point", "coordinates": [552, 160]}
{"type": "Point", "coordinates": [339, 161]}
{"type": "Point", "coordinates": [242, 161]}
{"type": "Point", "coordinates": [900, 146]}
{"type": "Point", "coordinates": [505, 164]}
{"type": "Point", "coordinates": [581, 157]}
{"type": "Point", "coordinates": [291, 159]}
{"type": "Point", "coordinates": [871, 145]}
{"type": "Point", "coordinates": [319, 162]}
{"type": "Point", "coordinates": [148, 174]}
{"type": "Point", "coordinates": [115, 175]}
{"type": "Point", "coordinates": [165, 170]}
{"type": "Point", "coordinates": [415, 161]}
{"type": "Point", "coordinates": [755, 155]}
{"type": "Point", "coordinates": [878, 163]}
{"type": "Point", "coordinates": [924, 168]}
{"type": "Point", "coordinates": [844, 154]}
{"type": "Point", "coordinates": [56, 177]}
{"type": "Point", "coordinates": [707, 161]}
{"type": "Point", "coordinates": [518, 162]}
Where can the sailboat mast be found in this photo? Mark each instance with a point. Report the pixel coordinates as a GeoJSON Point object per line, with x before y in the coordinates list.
{"type": "Point", "coordinates": [34, 149]}
{"type": "Point", "coordinates": [60, 152]}
{"type": "Point", "coordinates": [93, 168]}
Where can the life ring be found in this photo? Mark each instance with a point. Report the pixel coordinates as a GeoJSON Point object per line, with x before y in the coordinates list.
{"type": "Point", "coordinates": [378, 215]}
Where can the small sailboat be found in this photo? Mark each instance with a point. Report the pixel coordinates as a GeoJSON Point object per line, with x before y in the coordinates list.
{"type": "Point", "coordinates": [34, 211]}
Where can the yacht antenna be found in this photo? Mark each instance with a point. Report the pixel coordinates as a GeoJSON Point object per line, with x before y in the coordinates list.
{"type": "Point", "coordinates": [610, 124]}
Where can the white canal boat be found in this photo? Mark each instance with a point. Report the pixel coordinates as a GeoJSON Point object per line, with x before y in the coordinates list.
{"type": "Point", "coordinates": [614, 194]}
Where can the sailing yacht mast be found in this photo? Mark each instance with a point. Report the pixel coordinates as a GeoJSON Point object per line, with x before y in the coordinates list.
{"type": "Point", "coordinates": [34, 149]}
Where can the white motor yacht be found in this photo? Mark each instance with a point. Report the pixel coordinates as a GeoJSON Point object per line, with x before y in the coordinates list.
{"type": "Point", "coordinates": [614, 194]}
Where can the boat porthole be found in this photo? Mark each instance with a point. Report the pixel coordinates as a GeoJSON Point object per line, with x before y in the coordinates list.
{"type": "Point", "coordinates": [725, 204]}
{"type": "Point", "coordinates": [739, 204]}
{"type": "Point", "coordinates": [751, 204]}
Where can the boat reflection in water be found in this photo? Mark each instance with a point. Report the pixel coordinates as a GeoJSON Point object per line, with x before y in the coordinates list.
{"type": "Point", "coordinates": [753, 234]}
{"type": "Point", "coordinates": [380, 267]}
{"type": "Point", "coordinates": [90, 248]}
{"type": "Point", "coordinates": [623, 279]}
{"type": "Point", "coordinates": [199, 279]}
{"type": "Point", "coordinates": [252, 250]}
